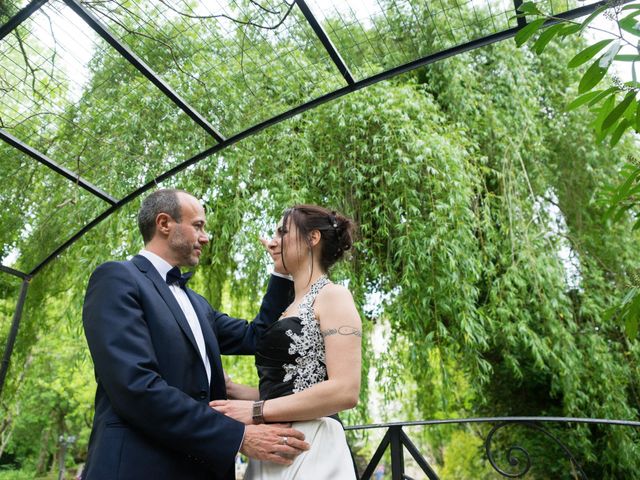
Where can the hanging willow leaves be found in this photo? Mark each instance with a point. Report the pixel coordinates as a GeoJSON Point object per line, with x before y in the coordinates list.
{"type": "Point", "coordinates": [529, 8]}
{"type": "Point", "coordinates": [627, 58]}
{"type": "Point", "coordinates": [588, 53]}
{"type": "Point", "coordinates": [611, 91]}
{"type": "Point", "coordinates": [527, 32]}
{"type": "Point", "coordinates": [619, 110]}
{"type": "Point", "coordinates": [584, 98]}
{"type": "Point", "coordinates": [631, 24]}
{"type": "Point", "coordinates": [594, 74]}
{"type": "Point", "coordinates": [612, 120]}
{"type": "Point", "coordinates": [617, 134]}
{"type": "Point", "coordinates": [546, 36]}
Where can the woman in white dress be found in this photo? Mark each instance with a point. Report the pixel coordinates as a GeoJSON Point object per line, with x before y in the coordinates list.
{"type": "Point", "coordinates": [309, 361]}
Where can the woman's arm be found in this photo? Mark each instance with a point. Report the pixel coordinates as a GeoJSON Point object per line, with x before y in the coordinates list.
{"type": "Point", "coordinates": [341, 328]}
{"type": "Point", "coordinates": [237, 391]}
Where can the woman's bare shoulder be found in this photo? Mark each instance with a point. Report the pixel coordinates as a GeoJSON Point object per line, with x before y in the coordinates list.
{"type": "Point", "coordinates": [334, 292]}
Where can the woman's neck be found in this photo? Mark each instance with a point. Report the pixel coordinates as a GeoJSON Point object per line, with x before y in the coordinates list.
{"type": "Point", "coordinates": [302, 281]}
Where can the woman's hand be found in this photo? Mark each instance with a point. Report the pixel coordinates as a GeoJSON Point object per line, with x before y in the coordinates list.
{"type": "Point", "coordinates": [237, 391]}
{"type": "Point", "coordinates": [228, 383]}
{"type": "Point", "coordinates": [240, 410]}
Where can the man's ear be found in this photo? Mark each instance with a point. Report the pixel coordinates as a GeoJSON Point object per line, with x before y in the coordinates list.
{"type": "Point", "coordinates": [163, 223]}
{"type": "Point", "coordinates": [314, 237]}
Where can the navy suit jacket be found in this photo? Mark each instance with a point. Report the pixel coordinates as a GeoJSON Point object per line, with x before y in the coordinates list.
{"type": "Point", "coordinates": [152, 418]}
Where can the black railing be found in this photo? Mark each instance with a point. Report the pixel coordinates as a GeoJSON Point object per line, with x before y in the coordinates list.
{"type": "Point", "coordinates": [517, 457]}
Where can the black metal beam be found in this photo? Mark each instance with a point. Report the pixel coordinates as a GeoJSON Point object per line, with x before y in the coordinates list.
{"type": "Point", "coordinates": [68, 174]}
{"type": "Point", "coordinates": [407, 67]}
{"type": "Point", "coordinates": [375, 460]}
{"type": "Point", "coordinates": [396, 438]}
{"type": "Point", "coordinates": [14, 272]}
{"type": "Point", "coordinates": [20, 17]}
{"type": "Point", "coordinates": [522, 21]}
{"type": "Point", "coordinates": [13, 333]}
{"type": "Point", "coordinates": [326, 41]}
{"type": "Point", "coordinates": [397, 458]}
{"type": "Point", "coordinates": [142, 67]}
{"type": "Point", "coordinates": [415, 453]}
{"type": "Point", "coordinates": [455, 421]}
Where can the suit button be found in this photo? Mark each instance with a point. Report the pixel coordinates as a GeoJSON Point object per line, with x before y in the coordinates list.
{"type": "Point", "coordinates": [202, 395]}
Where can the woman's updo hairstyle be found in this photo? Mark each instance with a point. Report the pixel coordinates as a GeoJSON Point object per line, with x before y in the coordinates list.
{"type": "Point", "coordinates": [336, 230]}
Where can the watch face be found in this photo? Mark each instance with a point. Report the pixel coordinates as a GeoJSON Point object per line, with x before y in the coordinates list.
{"type": "Point", "coordinates": [257, 411]}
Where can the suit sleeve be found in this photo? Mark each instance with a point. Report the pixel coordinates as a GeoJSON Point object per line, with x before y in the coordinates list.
{"type": "Point", "coordinates": [239, 337]}
{"type": "Point", "coordinates": [127, 368]}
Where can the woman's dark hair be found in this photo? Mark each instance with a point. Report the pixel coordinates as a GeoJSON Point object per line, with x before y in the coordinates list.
{"type": "Point", "coordinates": [336, 231]}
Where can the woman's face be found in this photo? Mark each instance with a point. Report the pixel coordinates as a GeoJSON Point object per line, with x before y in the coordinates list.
{"type": "Point", "coordinates": [289, 245]}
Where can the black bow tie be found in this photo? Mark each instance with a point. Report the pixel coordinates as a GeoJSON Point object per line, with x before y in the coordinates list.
{"type": "Point", "coordinates": [174, 276]}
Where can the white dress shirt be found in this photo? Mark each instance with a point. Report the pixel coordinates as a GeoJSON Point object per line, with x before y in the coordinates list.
{"type": "Point", "coordinates": [162, 266]}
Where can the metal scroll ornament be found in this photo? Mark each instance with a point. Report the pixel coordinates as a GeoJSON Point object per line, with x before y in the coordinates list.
{"type": "Point", "coordinates": [519, 458]}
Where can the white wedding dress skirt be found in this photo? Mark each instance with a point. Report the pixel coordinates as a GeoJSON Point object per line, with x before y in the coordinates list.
{"type": "Point", "coordinates": [328, 458]}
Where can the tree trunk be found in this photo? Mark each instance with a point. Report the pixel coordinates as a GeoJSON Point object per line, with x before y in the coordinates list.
{"type": "Point", "coordinates": [44, 452]}
{"type": "Point", "coordinates": [6, 426]}
{"type": "Point", "coordinates": [6, 429]}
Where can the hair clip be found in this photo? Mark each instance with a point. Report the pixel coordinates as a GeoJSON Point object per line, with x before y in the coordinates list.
{"type": "Point", "coordinates": [333, 220]}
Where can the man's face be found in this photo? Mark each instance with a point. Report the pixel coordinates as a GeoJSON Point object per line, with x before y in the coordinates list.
{"type": "Point", "coordinates": [187, 238]}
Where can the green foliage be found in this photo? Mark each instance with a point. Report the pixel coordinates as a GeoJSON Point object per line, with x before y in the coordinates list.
{"type": "Point", "coordinates": [17, 475]}
{"type": "Point", "coordinates": [616, 109]}
{"type": "Point", "coordinates": [607, 107]}
{"type": "Point", "coordinates": [463, 459]}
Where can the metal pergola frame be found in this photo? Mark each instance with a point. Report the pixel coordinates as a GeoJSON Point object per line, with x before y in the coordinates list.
{"type": "Point", "coordinates": [352, 85]}
{"type": "Point", "coordinates": [396, 440]}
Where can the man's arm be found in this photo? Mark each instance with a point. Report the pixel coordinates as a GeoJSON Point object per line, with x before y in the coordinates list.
{"type": "Point", "coordinates": [239, 337]}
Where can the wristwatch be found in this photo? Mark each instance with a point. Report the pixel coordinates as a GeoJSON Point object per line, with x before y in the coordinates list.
{"type": "Point", "coordinates": [256, 413]}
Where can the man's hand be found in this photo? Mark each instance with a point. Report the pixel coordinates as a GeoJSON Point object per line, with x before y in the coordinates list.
{"type": "Point", "coordinates": [273, 443]}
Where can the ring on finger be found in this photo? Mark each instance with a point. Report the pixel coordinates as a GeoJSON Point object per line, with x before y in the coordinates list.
{"type": "Point", "coordinates": [284, 440]}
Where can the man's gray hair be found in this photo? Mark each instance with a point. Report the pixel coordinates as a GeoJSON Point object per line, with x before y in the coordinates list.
{"type": "Point", "coordinates": [161, 201]}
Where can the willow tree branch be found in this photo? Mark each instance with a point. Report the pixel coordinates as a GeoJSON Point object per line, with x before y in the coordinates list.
{"type": "Point", "coordinates": [233, 19]}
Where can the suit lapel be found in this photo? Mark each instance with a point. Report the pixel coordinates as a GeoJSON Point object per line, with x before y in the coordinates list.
{"type": "Point", "coordinates": [149, 270]}
{"type": "Point", "coordinates": [217, 375]}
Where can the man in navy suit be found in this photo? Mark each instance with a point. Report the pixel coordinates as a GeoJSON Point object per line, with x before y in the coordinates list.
{"type": "Point", "coordinates": [156, 349]}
